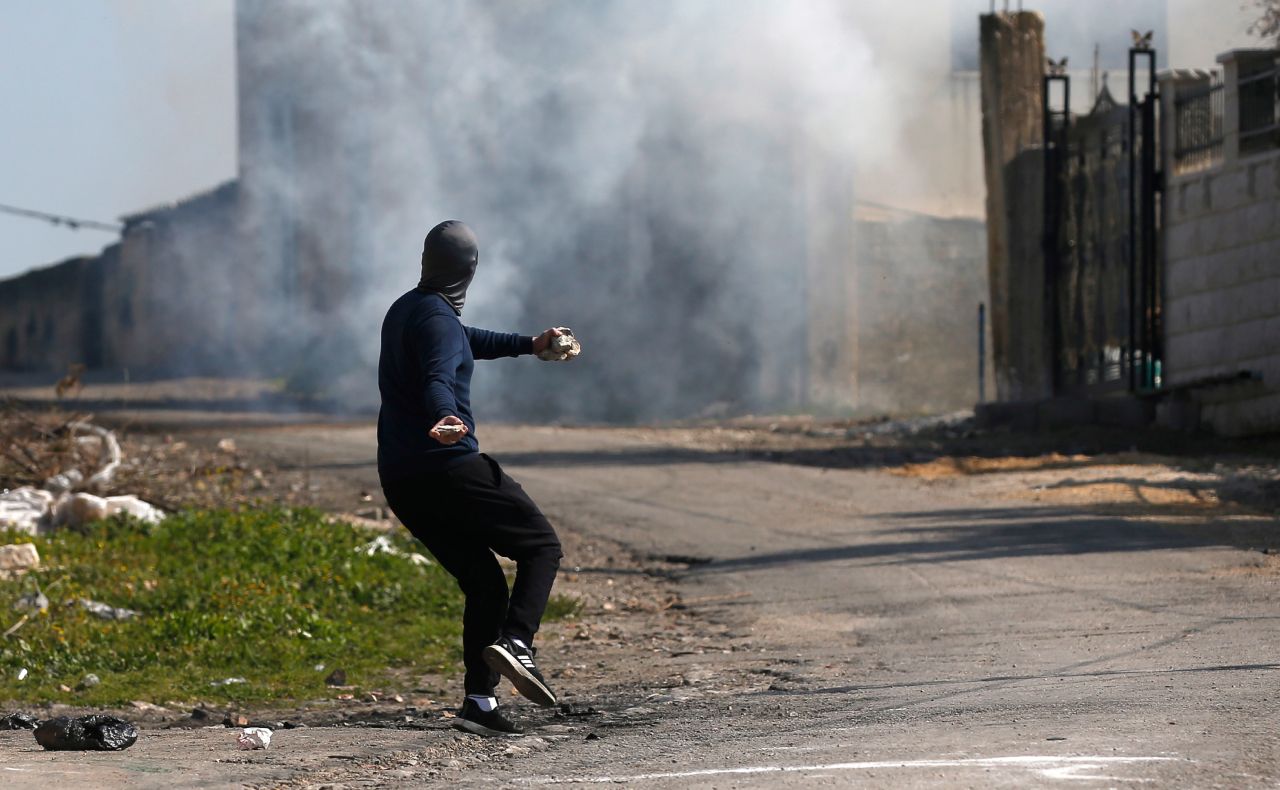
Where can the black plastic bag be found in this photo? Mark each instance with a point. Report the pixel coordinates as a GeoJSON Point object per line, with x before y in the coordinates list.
{"type": "Point", "coordinates": [19, 721]}
{"type": "Point", "coordinates": [86, 734]}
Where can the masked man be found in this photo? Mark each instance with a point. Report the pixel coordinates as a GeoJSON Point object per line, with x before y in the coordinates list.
{"type": "Point", "coordinates": [452, 497]}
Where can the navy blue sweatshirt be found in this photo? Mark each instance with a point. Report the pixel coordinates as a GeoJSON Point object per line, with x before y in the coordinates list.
{"type": "Point", "coordinates": [424, 375]}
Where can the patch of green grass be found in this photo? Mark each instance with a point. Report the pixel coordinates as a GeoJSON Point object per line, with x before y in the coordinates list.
{"type": "Point", "coordinates": [265, 595]}
{"type": "Point", "coordinates": [562, 607]}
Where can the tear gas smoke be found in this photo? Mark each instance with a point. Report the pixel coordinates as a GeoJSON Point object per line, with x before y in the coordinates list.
{"type": "Point", "coordinates": [635, 169]}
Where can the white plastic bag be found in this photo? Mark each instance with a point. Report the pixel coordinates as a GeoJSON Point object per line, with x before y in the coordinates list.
{"type": "Point", "coordinates": [26, 509]}
{"type": "Point", "coordinates": [254, 738]}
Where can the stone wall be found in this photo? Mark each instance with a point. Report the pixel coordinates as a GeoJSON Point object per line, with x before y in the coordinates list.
{"type": "Point", "coordinates": [1222, 286]}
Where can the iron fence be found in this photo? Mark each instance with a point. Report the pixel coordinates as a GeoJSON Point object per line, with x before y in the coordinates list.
{"type": "Point", "coordinates": [1198, 135]}
{"type": "Point", "coordinates": [1258, 83]}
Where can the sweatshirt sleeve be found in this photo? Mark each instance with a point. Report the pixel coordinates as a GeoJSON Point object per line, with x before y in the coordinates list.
{"type": "Point", "coordinates": [439, 340]}
{"type": "Point", "coordinates": [495, 345]}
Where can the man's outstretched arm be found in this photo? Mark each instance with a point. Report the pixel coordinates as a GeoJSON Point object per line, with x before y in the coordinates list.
{"type": "Point", "coordinates": [486, 344]}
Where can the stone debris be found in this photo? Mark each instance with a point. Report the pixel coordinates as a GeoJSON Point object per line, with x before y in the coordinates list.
{"type": "Point", "coordinates": [960, 420]}
{"type": "Point", "coordinates": [18, 558]}
{"type": "Point", "coordinates": [337, 677]}
{"type": "Point", "coordinates": [19, 721]}
{"type": "Point", "coordinates": [254, 738]}
{"type": "Point", "coordinates": [105, 611]}
{"type": "Point", "coordinates": [562, 348]}
{"type": "Point", "coordinates": [87, 733]}
{"type": "Point", "coordinates": [90, 680]}
{"type": "Point", "coordinates": [147, 707]}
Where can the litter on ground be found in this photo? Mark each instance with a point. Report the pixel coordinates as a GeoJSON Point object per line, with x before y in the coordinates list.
{"type": "Point", "coordinates": [86, 734]}
{"type": "Point", "coordinates": [105, 611]}
{"type": "Point", "coordinates": [383, 545]}
{"type": "Point", "coordinates": [254, 738]}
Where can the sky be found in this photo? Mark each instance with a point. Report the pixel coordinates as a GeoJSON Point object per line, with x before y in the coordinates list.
{"type": "Point", "coordinates": [114, 106]}
{"type": "Point", "coordinates": [109, 107]}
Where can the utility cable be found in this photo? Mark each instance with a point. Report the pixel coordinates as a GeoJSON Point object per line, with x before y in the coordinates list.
{"type": "Point", "coordinates": [57, 219]}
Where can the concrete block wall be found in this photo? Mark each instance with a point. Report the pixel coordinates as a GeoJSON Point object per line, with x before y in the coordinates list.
{"type": "Point", "coordinates": [1222, 287]}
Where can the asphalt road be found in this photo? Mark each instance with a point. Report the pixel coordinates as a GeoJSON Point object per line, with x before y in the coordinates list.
{"type": "Point", "coordinates": [918, 636]}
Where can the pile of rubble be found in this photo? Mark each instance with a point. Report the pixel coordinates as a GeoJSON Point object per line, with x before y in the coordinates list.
{"type": "Point", "coordinates": [54, 470]}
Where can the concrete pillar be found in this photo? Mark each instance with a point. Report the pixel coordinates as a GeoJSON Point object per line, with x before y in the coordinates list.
{"type": "Point", "coordinates": [1012, 62]}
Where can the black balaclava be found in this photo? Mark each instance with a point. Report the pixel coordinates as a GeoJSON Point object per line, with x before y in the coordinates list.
{"type": "Point", "coordinates": [449, 257]}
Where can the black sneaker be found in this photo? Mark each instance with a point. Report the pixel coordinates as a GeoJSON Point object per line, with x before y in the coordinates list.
{"type": "Point", "coordinates": [490, 725]}
{"type": "Point", "coordinates": [515, 663]}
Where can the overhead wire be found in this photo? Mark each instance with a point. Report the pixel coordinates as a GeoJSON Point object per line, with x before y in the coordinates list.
{"type": "Point", "coordinates": [58, 219]}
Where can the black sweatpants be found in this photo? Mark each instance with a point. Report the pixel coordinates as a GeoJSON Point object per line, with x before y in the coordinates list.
{"type": "Point", "coordinates": [463, 513]}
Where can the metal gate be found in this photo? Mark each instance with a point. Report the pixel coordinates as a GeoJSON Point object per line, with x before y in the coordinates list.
{"type": "Point", "coordinates": [1101, 267]}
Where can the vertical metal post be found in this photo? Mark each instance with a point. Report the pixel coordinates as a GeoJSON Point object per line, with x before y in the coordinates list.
{"type": "Point", "coordinates": [1142, 265]}
{"type": "Point", "coordinates": [982, 352]}
{"type": "Point", "coordinates": [1055, 137]}
{"type": "Point", "coordinates": [1133, 237]}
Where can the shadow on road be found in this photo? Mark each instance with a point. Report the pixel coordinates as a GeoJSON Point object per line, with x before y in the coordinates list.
{"type": "Point", "coordinates": [976, 534]}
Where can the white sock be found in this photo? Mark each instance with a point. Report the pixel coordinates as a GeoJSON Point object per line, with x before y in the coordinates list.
{"type": "Point", "coordinates": [486, 703]}
{"type": "Point", "coordinates": [518, 642]}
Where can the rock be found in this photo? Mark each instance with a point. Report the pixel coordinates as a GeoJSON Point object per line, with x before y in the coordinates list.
{"type": "Point", "coordinates": [19, 721]}
{"type": "Point", "coordinates": [582, 634]}
{"type": "Point", "coordinates": [227, 445]}
{"type": "Point", "coordinates": [637, 711]}
{"type": "Point", "coordinates": [19, 558]}
{"type": "Point", "coordinates": [515, 751]}
{"type": "Point", "coordinates": [87, 733]}
{"type": "Point", "coordinates": [147, 707]}
{"type": "Point", "coordinates": [558, 729]}
{"type": "Point", "coordinates": [535, 744]}
{"type": "Point", "coordinates": [562, 348]}
{"type": "Point", "coordinates": [32, 601]}
{"type": "Point", "coordinates": [337, 677]}
{"type": "Point", "coordinates": [90, 680]}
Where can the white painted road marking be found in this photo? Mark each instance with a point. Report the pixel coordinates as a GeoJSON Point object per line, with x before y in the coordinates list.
{"type": "Point", "coordinates": [1048, 767]}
